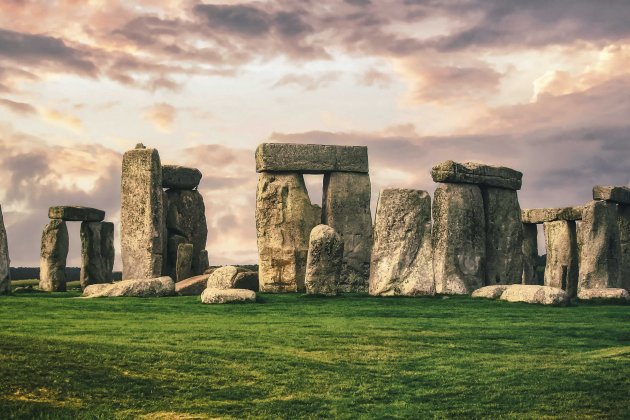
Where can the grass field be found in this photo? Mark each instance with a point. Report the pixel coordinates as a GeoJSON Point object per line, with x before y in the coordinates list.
{"type": "Point", "coordinates": [293, 356]}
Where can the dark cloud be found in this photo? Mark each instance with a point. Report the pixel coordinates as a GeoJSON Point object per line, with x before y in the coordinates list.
{"type": "Point", "coordinates": [239, 19]}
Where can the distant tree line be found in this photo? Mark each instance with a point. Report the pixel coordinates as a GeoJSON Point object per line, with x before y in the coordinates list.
{"type": "Point", "coordinates": [28, 273]}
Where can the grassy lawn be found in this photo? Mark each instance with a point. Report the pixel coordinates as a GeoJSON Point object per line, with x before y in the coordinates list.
{"type": "Point", "coordinates": [294, 356]}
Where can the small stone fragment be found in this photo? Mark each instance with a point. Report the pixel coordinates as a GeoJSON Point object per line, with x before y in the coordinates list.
{"type": "Point", "coordinates": [543, 295]}
{"type": "Point", "coordinates": [562, 266]}
{"type": "Point", "coordinates": [477, 173]}
{"type": "Point", "coordinates": [180, 177]}
{"type": "Point", "coordinates": [619, 195]}
{"type": "Point", "coordinates": [54, 251]}
{"type": "Point", "coordinates": [211, 295]}
{"type": "Point", "coordinates": [183, 266]}
{"type": "Point", "coordinates": [156, 287]}
{"type": "Point", "coordinates": [323, 264]}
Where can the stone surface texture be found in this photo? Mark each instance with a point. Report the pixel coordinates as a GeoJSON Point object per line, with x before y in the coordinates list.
{"type": "Point", "coordinates": [477, 173]}
{"type": "Point", "coordinates": [619, 195]}
{"type": "Point", "coordinates": [284, 220]}
{"type": "Point", "coordinates": [232, 277]}
{"type": "Point", "coordinates": [183, 265]}
{"type": "Point", "coordinates": [76, 214]}
{"type": "Point", "coordinates": [346, 208]}
{"type": "Point", "coordinates": [53, 254]}
{"type": "Point", "coordinates": [180, 177]}
{"type": "Point", "coordinates": [543, 295]}
{"type": "Point", "coordinates": [5, 261]}
{"type": "Point", "coordinates": [504, 236]}
{"type": "Point", "coordinates": [538, 216]}
{"type": "Point", "coordinates": [562, 266]}
{"type": "Point", "coordinates": [459, 238]}
{"type": "Point", "coordinates": [530, 253]}
{"type": "Point", "coordinates": [310, 158]}
{"type": "Point", "coordinates": [600, 250]}
{"type": "Point", "coordinates": [211, 295]}
{"type": "Point", "coordinates": [490, 292]}
{"type": "Point", "coordinates": [615, 294]}
{"type": "Point", "coordinates": [156, 287]}
{"type": "Point", "coordinates": [402, 256]}
{"type": "Point", "coordinates": [192, 286]}
{"type": "Point", "coordinates": [623, 221]}
{"type": "Point", "coordinates": [186, 216]}
{"type": "Point", "coordinates": [324, 261]}
{"type": "Point", "coordinates": [204, 262]}
{"type": "Point", "coordinates": [142, 215]}
{"type": "Point", "coordinates": [97, 253]}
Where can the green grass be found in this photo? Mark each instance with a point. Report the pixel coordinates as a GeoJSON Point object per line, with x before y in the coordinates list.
{"type": "Point", "coordinates": [293, 356]}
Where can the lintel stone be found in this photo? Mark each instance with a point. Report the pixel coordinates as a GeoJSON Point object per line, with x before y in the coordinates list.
{"type": "Point", "coordinates": [180, 177]}
{"type": "Point", "coordinates": [76, 214]}
{"type": "Point", "coordinates": [310, 158]}
{"type": "Point", "coordinates": [538, 216]}
{"type": "Point", "coordinates": [619, 195]}
{"type": "Point", "coordinates": [477, 173]}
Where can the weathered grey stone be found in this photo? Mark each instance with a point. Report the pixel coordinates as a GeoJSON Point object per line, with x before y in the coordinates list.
{"type": "Point", "coordinates": [232, 277]}
{"type": "Point", "coordinates": [211, 295]}
{"type": "Point", "coordinates": [323, 264]}
{"type": "Point", "coordinates": [5, 262]}
{"type": "Point", "coordinates": [551, 215]}
{"type": "Point", "coordinates": [530, 253]}
{"type": "Point", "coordinates": [459, 238]}
{"type": "Point", "coordinates": [562, 266]}
{"type": "Point", "coordinates": [54, 251]}
{"type": "Point", "coordinates": [284, 220]}
{"type": "Point", "coordinates": [192, 286]}
{"type": "Point", "coordinates": [543, 295]}
{"type": "Point", "coordinates": [97, 253]}
{"type": "Point", "coordinates": [142, 214]}
{"type": "Point", "coordinates": [346, 208]}
{"type": "Point", "coordinates": [504, 236]}
{"type": "Point", "coordinates": [623, 222]}
{"type": "Point", "coordinates": [619, 195]}
{"type": "Point", "coordinates": [310, 158]}
{"type": "Point", "coordinates": [600, 251]}
{"type": "Point", "coordinates": [180, 177]}
{"type": "Point", "coordinates": [173, 243]}
{"type": "Point", "coordinates": [477, 173]}
{"type": "Point", "coordinates": [402, 256]}
{"type": "Point", "coordinates": [183, 264]}
{"type": "Point", "coordinates": [490, 292]}
{"type": "Point", "coordinates": [168, 266]}
{"type": "Point", "coordinates": [187, 217]}
{"type": "Point", "coordinates": [613, 294]}
{"type": "Point", "coordinates": [204, 262]}
{"type": "Point", "coordinates": [76, 214]}
{"type": "Point", "coordinates": [156, 287]}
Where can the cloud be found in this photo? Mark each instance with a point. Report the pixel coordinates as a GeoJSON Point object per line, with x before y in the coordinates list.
{"type": "Point", "coordinates": [62, 119]}
{"type": "Point", "coordinates": [162, 115]}
{"type": "Point", "coordinates": [306, 81]}
{"type": "Point", "coordinates": [19, 108]}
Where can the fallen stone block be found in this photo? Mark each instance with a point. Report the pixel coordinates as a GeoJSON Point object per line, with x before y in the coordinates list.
{"type": "Point", "coordinates": [543, 295]}
{"type": "Point", "coordinates": [232, 277]}
{"type": "Point", "coordinates": [156, 287]}
{"type": "Point", "coordinates": [211, 295]}
{"type": "Point", "coordinates": [76, 214]}
{"type": "Point", "coordinates": [490, 292]}
{"type": "Point", "coordinates": [537, 216]}
{"type": "Point", "coordinates": [619, 195]}
{"type": "Point", "coordinates": [611, 294]}
{"type": "Point", "coordinates": [310, 158]}
{"type": "Point", "coordinates": [192, 286]}
{"type": "Point", "coordinates": [324, 261]}
{"type": "Point", "coordinates": [180, 177]}
{"type": "Point", "coordinates": [477, 173]}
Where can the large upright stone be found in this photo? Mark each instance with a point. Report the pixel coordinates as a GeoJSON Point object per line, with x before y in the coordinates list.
{"type": "Point", "coordinates": [53, 254]}
{"type": "Point", "coordinates": [600, 249]}
{"type": "Point", "coordinates": [183, 266]}
{"type": "Point", "coordinates": [624, 241]}
{"type": "Point", "coordinates": [562, 266]}
{"type": "Point", "coordinates": [284, 220]}
{"type": "Point", "coordinates": [324, 261]}
{"type": "Point", "coordinates": [97, 253]}
{"type": "Point", "coordinates": [76, 214]}
{"type": "Point", "coordinates": [459, 238]}
{"type": "Point", "coordinates": [477, 173]}
{"type": "Point", "coordinates": [5, 262]}
{"type": "Point", "coordinates": [551, 215]}
{"type": "Point", "coordinates": [346, 208]}
{"type": "Point", "coordinates": [504, 236]}
{"type": "Point", "coordinates": [310, 158]}
{"type": "Point", "coordinates": [619, 195]}
{"type": "Point", "coordinates": [180, 177]}
{"type": "Point", "coordinates": [142, 214]}
{"type": "Point", "coordinates": [530, 254]}
{"type": "Point", "coordinates": [186, 216]}
{"type": "Point", "coordinates": [402, 256]}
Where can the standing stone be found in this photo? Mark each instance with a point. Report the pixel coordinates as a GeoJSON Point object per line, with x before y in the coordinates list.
{"type": "Point", "coordinates": [504, 236]}
{"type": "Point", "coordinates": [173, 243]}
{"type": "Point", "coordinates": [600, 249]}
{"type": "Point", "coordinates": [346, 208]}
{"type": "Point", "coordinates": [530, 253]}
{"type": "Point", "coordinates": [323, 264]}
{"type": "Point", "coordinates": [561, 270]}
{"type": "Point", "coordinates": [186, 216]}
{"type": "Point", "coordinates": [284, 220]}
{"type": "Point", "coordinates": [204, 262]}
{"type": "Point", "coordinates": [183, 266]}
{"type": "Point", "coordinates": [5, 262]}
{"type": "Point", "coordinates": [142, 214]}
{"type": "Point", "coordinates": [54, 251]}
{"type": "Point", "coordinates": [402, 256]}
{"type": "Point", "coordinates": [624, 240]}
{"type": "Point", "coordinates": [97, 253]}
{"type": "Point", "coordinates": [459, 238]}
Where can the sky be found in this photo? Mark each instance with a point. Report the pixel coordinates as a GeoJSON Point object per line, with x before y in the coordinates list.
{"type": "Point", "coordinates": [541, 86]}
